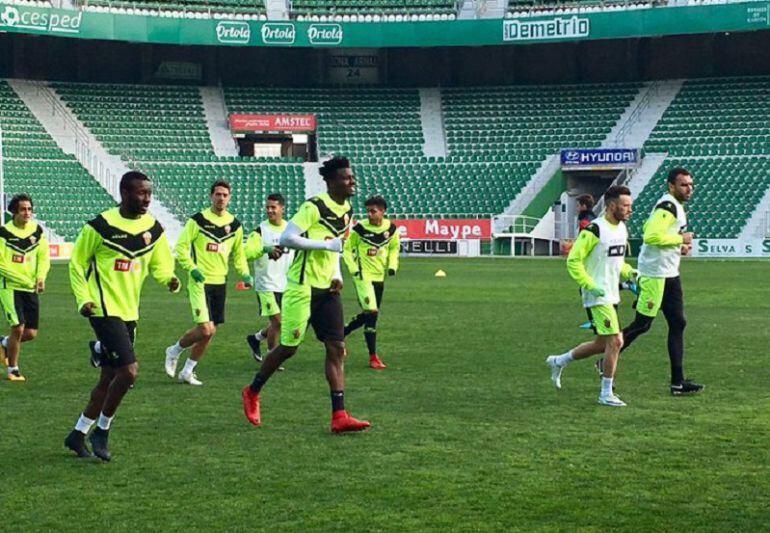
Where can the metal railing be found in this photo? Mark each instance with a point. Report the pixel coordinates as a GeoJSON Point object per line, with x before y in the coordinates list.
{"type": "Point", "coordinates": [84, 153]}
{"type": "Point", "coordinates": [636, 114]}
{"type": "Point", "coordinates": [624, 177]}
{"type": "Point", "coordinates": [514, 224]}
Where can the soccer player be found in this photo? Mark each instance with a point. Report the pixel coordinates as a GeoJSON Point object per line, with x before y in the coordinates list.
{"type": "Point", "coordinates": [370, 252]}
{"type": "Point", "coordinates": [271, 264]}
{"type": "Point", "coordinates": [24, 265]}
{"type": "Point", "coordinates": [585, 204]}
{"type": "Point", "coordinates": [313, 291]}
{"type": "Point", "coordinates": [665, 240]}
{"type": "Point", "coordinates": [597, 263]}
{"type": "Point", "coordinates": [203, 250]}
{"type": "Point", "coordinates": [111, 258]}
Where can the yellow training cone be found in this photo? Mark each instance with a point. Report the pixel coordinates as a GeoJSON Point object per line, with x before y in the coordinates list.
{"type": "Point", "coordinates": [440, 273]}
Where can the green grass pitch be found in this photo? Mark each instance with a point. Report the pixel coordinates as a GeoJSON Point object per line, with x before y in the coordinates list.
{"type": "Point", "coordinates": [469, 433]}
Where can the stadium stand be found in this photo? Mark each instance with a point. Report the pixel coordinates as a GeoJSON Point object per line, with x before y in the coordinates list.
{"type": "Point", "coordinates": [64, 193]}
{"type": "Point", "coordinates": [496, 138]}
{"type": "Point", "coordinates": [248, 8]}
{"type": "Point", "coordinates": [373, 7]}
{"type": "Point", "coordinates": [162, 131]}
{"type": "Point", "coordinates": [719, 129]}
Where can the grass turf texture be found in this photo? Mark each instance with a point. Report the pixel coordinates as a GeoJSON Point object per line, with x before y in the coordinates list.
{"type": "Point", "coordinates": [468, 431]}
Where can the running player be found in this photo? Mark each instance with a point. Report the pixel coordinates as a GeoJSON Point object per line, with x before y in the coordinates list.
{"type": "Point", "coordinates": [313, 291]}
{"type": "Point", "coordinates": [271, 265]}
{"type": "Point", "coordinates": [203, 250]}
{"type": "Point", "coordinates": [24, 265]}
{"type": "Point", "coordinates": [370, 252]}
{"type": "Point", "coordinates": [665, 240]}
{"type": "Point", "coordinates": [111, 258]}
{"type": "Point", "coordinates": [597, 263]}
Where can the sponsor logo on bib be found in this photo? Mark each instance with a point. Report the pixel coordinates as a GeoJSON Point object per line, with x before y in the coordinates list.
{"type": "Point", "coordinates": [122, 265]}
{"type": "Point", "coordinates": [18, 258]}
{"type": "Point", "coordinates": [212, 247]}
{"type": "Point", "coordinates": [371, 252]}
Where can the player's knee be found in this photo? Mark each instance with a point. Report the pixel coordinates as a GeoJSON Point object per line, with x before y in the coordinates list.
{"type": "Point", "coordinates": [286, 351]}
{"type": "Point", "coordinates": [615, 342]}
{"type": "Point", "coordinates": [128, 374]}
{"type": "Point", "coordinates": [335, 349]}
{"type": "Point", "coordinates": [17, 332]}
{"type": "Point", "coordinates": [208, 330]}
{"type": "Point", "coordinates": [642, 323]}
{"type": "Point", "coordinates": [29, 334]}
{"type": "Point", "coordinates": [678, 322]}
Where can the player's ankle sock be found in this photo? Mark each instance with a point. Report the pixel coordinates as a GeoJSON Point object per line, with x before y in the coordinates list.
{"type": "Point", "coordinates": [371, 340]}
{"type": "Point", "coordinates": [104, 421]}
{"type": "Point", "coordinates": [338, 401]}
{"type": "Point", "coordinates": [176, 350]}
{"type": "Point", "coordinates": [12, 369]}
{"type": "Point", "coordinates": [565, 359]}
{"type": "Point", "coordinates": [260, 336]}
{"type": "Point", "coordinates": [84, 424]}
{"type": "Point", "coordinates": [258, 383]}
{"type": "Point", "coordinates": [4, 342]}
{"type": "Point", "coordinates": [189, 366]}
{"type": "Point", "coordinates": [98, 346]}
{"type": "Point", "coordinates": [606, 386]}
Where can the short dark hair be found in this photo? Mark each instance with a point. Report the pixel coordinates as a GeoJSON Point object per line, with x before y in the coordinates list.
{"type": "Point", "coordinates": [276, 197]}
{"type": "Point", "coordinates": [130, 177]}
{"type": "Point", "coordinates": [675, 172]}
{"type": "Point", "coordinates": [615, 192]}
{"type": "Point", "coordinates": [378, 201]}
{"type": "Point", "coordinates": [330, 167]}
{"type": "Point", "coordinates": [586, 200]}
{"type": "Point", "coordinates": [220, 183]}
{"type": "Point", "coordinates": [13, 205]}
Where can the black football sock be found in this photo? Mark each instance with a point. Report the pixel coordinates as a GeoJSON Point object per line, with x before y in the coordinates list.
{"type": "Point", "coordinates": [338, 401]}
{"type": "Point", "coordinates": [370, 333]}
{"type": "Point", "coordinates": [258, 383]}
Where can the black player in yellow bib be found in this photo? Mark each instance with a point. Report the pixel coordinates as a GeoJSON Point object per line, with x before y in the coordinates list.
{"type": "Point", "coordinates": [111, 258]}
{"type": "Point", "coordinates": [371, 252]}
{"type": "Point", "coordinates": [313, 288]}
{"type": "Point", "coordinates": [24, 265]}
{"type": "Point", "coordinates": [203, 250]}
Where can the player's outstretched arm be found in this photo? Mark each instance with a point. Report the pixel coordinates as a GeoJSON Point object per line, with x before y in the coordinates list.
{"type": "Point", "coordinates": [583, 246]}
{"type": "Point", "coordinates": [657, 226]}
{"type": "Point", "coordinates": [82, 255]}
{"type": "Point", "coordinates": [162, 265]}
{"type": "Point", "coordinates": [292, 238]}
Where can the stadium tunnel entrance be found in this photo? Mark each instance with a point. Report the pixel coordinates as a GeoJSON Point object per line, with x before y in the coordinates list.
{"type": "Point", "coordinates": [588, 173]}
{"type": "Point", "coordinates": [289, 137]}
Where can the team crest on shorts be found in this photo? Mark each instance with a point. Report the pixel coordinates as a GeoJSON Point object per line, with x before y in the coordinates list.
{"type": "Point", "coordinates": [147, 236]}
{"type": "Point", "coordinates": [650, 305]}
{"type": "Point", "coordinates": [297, 333]}
{"type": "Point", "coordinates": [607, 323]}
{"type": "Point", "coordinates": [197, 312]}
{"type": "Point", "coordinates": [366, 300]}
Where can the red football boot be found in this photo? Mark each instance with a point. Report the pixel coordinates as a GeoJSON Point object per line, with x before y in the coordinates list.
{"type": "Point", "coordinates": [342, 422]}
{"type": "Point", "coordinates": [376, 363]}
{"type": "Point", "coordinates": [251, 405]}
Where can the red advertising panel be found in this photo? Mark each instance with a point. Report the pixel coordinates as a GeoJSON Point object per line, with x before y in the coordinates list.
{"type": "Point", "coordinates": [264, 123]}
{"type": "Point", "coordinates": [445, 229]}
